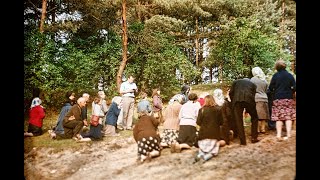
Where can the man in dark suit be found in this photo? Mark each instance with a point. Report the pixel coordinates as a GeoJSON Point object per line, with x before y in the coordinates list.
{"type": "Point", "coordinates": [242, 93]}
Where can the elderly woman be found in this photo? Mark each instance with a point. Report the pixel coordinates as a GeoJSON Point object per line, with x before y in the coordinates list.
{"type": "Point", "coordinates": [171, 121]}
{"type": "Point", "coordinates": [36, 117]}
{"type": "Point", "coordinates": [283, 87]}
{"type": "Point", "coordinates": [261, 98]}
{"type": "Point", "coordinates": [146, 135]}
{"type": "Point", "coordinates": [112, 117]}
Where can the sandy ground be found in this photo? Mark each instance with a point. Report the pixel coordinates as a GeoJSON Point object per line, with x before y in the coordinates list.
{"type": "Point", "coordinates": [115, 158]}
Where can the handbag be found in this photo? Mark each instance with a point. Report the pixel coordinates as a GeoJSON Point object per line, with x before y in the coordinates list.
{"type": "Point", "coordinates": [94, 121]}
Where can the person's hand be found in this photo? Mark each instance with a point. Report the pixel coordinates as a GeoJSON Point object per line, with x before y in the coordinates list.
{"type": "Point", "coordinates": [71, 118]}
{"type": "Point", "coordinates": [85, 122]}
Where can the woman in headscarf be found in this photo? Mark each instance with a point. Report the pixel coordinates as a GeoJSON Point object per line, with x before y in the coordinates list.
{"type": "Point", "coordinates": [227, 129]}
{"type": "Point", "coordinates": [261, 98]}
{"type": "Point", "coordinates": [185, 90]}
{"type": "Point", "coordinates": [36, 116]}
{"type": "Point", "coordinates": [171, 121]}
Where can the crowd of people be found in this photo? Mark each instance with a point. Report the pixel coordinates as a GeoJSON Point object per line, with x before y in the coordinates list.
{"type": "Point", "coordinates": [207, 121]}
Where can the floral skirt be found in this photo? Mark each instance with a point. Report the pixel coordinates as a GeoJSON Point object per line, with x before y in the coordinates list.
{"type": "Point", "coordinates": [169, 136]}
{"type": "Point", "coordinates": [283, 109]}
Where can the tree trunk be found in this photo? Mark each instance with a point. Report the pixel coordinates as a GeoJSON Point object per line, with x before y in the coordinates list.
{"type": "Point", "coordinates": [124, 45]}
{"type": "Point", "coordinates": [138, 9]}
{"type": "Point", "coordinates": [43, 15]}
{"type": "Point", "coordinates": [197, 43]}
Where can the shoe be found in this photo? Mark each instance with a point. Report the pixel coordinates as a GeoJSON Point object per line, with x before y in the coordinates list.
{"type": "Point", "coordinates": [53, 135]}
{"type": "Point", "coordinates": [254, 140]}
{"type": "Point", "coordinates": [120, 128]}
{"type": "Point", "coordinates": [28, 134]}
{"type": "Point", "coordinates": [177, 148]}
{"type": "Point", "coordinates": [285, 138]}
{"type": "Point", "coordinates": [196, 159]}
{"type": "Point", "coordinates": [84, 140]}
{"type": "Point", "coordinates": [148, 159]}
{"type": "Point", "coordinates": [129, 129]}
{"type": "Point", "coordinates": [173, 148]}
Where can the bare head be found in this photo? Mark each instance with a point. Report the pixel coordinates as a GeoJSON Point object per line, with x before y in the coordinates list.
{"type": "Point", "coordinates": [280, 65]}
{"type": "Point", "coordinates": [81, 101]}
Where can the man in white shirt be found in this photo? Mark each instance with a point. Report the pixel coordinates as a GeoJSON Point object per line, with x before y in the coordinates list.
{"type": "Point", "coordinates": [127, 90]}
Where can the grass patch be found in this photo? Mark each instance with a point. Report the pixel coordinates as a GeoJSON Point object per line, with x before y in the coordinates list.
{"type": "Point", "coordinates": [58, 145]}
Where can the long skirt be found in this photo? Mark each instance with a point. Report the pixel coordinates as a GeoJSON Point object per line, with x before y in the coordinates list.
{"type": "Point", "coordinates": [148, 144]}
{"type": "Point", "coordinates": [169, 136]}
{"type": "Point", "coordinates": [263, 110]}
{"type": "Point", "coordinates": [283, 109]}
{"type": "Point", "coordinates": [187, 135]}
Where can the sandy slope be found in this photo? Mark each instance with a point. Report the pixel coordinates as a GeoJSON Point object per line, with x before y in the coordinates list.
{"type": "Point", "coordinates": [115, 158]}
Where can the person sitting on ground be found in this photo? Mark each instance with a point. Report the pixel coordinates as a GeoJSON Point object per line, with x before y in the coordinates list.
{"type": "Point", "coordinates": [209, 121]}
{"type": "Point", "coordinates": [112, 117]}
{"type": "Point", "coordinates": [187, 127]}
{"type": "Point", "coordinates": [171, 121]}
{"type": "Point", "coordinates": [146, 136]}
{"type": "Point", "coordinates": [73, 122]}
{"type": "Point", "coordinates": [36, 116]}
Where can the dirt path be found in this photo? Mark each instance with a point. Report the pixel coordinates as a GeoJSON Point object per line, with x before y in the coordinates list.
{"type": "Point", "coordinates": [115, 158]}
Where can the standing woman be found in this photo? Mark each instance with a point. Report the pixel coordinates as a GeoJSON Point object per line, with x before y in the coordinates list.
{"type": "Point", "coordinates": [157, 104]}
{"type": "Point", "coordinates": [261, 98]}
{"type": "Point", "coordinates": [283, 87]}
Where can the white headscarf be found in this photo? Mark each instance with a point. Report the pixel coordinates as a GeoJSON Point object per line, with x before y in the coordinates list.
{"type": "Point", "coordinates": [117, 100]}
{"type": "Point", "coordinates": [257, 72]}
{"type": "Point", "coordinates": [35, 102]}
{"type": "Point", "coordinates": [218, 96]}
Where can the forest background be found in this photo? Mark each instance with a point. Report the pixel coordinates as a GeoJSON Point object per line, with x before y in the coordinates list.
{"type": "Point", "coordinates": [81, 46]}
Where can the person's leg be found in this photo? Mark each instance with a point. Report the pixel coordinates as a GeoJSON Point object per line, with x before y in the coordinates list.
{"type": "Point", "coordinates": [288, 128]}
{"type": "Point", "coordinates": [154, 153]}
{"type": "Point", "coordinates": [262, 126]}
{"type": "Point", "coordinates": [130, 114]}
{"type": "Point", "coordinates": [238, 117]}
{"type": "Point", "coordinates": [279, 128]}
{"type": "Point", "coordinates": [251, 109]}
{"type": "Point", "coordinates": [126, 101]}
{"type": "Point", "coordinates": [120, 120]}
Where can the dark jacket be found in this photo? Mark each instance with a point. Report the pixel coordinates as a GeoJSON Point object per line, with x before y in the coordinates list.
{"type": "Point", "coordinates": [242, 90]}
{"type": "Point", "coordinates": [282, 85]}
{"type": "Point", "coordinates": [209, 119]}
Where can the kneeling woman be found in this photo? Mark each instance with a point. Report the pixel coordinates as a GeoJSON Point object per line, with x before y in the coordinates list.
{"type": "Point", "coordinates": [146, 135]}
{"type": "Point", "coordinates": [209, 119]}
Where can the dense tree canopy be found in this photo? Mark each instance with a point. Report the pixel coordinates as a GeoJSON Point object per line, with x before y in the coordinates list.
{"type": "Point", "coordinates": [170, 43]}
